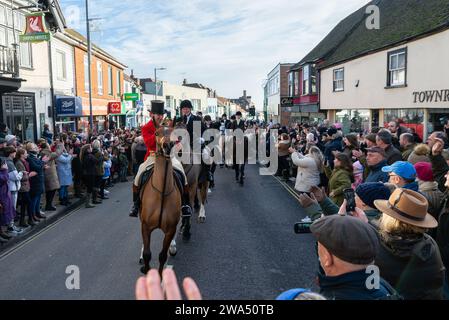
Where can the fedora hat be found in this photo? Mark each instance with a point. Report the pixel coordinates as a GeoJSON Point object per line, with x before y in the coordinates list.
{"type": "Point", "coordinates": [408, 206]}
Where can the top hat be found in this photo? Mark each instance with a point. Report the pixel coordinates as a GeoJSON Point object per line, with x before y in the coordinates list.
{"type": "Point", "coordinates": [157, 107]}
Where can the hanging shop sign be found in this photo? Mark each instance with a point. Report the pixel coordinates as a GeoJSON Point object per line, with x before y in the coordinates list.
{"type": "Point", "coordinates": [35, 28]}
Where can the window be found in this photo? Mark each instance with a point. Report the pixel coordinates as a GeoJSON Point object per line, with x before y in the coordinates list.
{"type": "Point", "coordinates": [61, 67]}
{"type": "Point", "coordinates": [305, 80]}
{"type": "Point", "coordinates": [291, 83]}
{"type": "Point", "coordinates": [11, 38]}
{"type": "Point", "coordinates": [111, 81]}
{"type": "Point", "coordinates": [296, 83]}
{"type": "Point", "coordinates": [9, 17]}
{"type": "Point", "coordinates": [2, 36]}
{"type": "Point", "coordinates": [313, 79]}
{"type": "Point", "coordinates": [2, 15]}
{"type": "Point", "coordinates": [25, 55]}
{"type": "Point", "coordinates": [397, 61]}
{"type": "Point", "coordinates": [339, 79]}
{"type": "Point", "coordinates": [196, 104]}
{"type": "Point", "coordinates": [119, 83]}
{"type": "Point", "coordinates": [100, 77]}
{"type": "Point", "coordinates": [86, 74]}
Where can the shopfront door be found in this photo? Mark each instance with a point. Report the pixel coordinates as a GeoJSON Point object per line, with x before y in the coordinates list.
{"type": "Point", "coordinates": [18, 111]}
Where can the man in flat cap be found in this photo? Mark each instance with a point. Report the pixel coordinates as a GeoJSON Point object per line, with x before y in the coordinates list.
{"type": "Point", "coordinates": [149, 136]}
{"type": "Point", "coordinates": [347, 247]}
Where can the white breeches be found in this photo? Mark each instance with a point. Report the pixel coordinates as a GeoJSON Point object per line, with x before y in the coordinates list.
{"type": "Point", "coordinates": [150, 161]}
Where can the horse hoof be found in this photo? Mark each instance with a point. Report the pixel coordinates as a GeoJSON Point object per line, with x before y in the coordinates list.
{"type": "Point", "coordinates": [144, 270]}
{"type": "Point", "coordinates": [173, 252]}
{"type": "Point", "coordinates": [140, 261]}
{"type": "Point", "coordinates": [202, 219]}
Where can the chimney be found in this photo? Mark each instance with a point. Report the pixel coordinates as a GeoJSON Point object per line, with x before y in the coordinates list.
{"type": "Point", "coordinates": [244, 93]}
{"type": "Point", "coordinates": [184, 82]}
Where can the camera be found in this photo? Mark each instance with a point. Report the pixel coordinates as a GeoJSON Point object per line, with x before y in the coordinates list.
{"type": "Point", "coordinates": [303, 227]}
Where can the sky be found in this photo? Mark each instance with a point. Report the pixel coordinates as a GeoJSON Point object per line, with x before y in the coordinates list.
{"type": "Point", "coordinates": [227, 45]}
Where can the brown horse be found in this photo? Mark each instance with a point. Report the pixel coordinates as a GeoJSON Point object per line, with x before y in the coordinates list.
{"type": "Point", "coordinates": [161, 201]}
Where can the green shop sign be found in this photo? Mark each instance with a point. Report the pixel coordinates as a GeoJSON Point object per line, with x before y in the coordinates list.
{"type": "Point", "coordinates": [131, 96]}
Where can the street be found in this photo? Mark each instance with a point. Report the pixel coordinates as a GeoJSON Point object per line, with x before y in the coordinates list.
{"type": "Point", "coordinates": [246, 249]}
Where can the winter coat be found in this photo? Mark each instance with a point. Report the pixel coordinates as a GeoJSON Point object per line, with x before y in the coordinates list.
{"type": "Point", "coordinates": [439, 168]}
{"type": "Point", "coordinates": [434, 196]}
{"type": "Point", "coordinates": [376, 174]}
{"type": "Point", "coordinates": [25, 182]}
{"type": "Point", "coordinates": [334, 145]}
{"type": "Point", "coordinates": [107, 168]}
{"type": "Point", "coordinates": [5, 199]}
{"type": "Point", "coordinates": [352, 286]}
{"type": "Point", "coordinates": [442, 232]}
{"type": "Point", "coordinates": [14, 176]}
{"type": "Point", "coordinates": [99, 167]}
{"type": "Point", "coordinates": [408, 151]}
{"type": "Point", "coordinates": [77, 168]}
{"type": "Point", "coordinates": [393, 155]}
{"type": "Point", "coordinates": [37, 183]}
{"type": "Point", "coordinates": [419, 154]}
{"type": "Point", "coordinates": [412, 265]}
{"type": "Point", "coordinates": [283, 147]}
{"type": "Point", "coordinates": [51, 174]}
{"type": "Point", "coordinates": [308, 173]}
{"type": "Point", "coordinates": [339, 180]}
{"type": "Point", "coordinates": [64, 168]}
{"type": "Point", "coordinates": [89, 165]}
{"type": "Point", "coordinates": [140, 152]}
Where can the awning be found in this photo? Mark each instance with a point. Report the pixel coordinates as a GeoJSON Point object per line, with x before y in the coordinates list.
{"type": "Point", "coordinates": [67, 106]}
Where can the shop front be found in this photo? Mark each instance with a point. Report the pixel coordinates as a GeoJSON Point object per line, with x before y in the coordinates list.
{"type": "Point", "coordinates": [99, 114]}
{"type": "Point", "coordinates": [304, 113]}
{"type": "Point", "coordinates": [19, 114]}
{"type": "Point", "coordinates": [353, 120]}
{"type": "Point", "coordinates": [116, 115]}
{"type": "Point", "coordinates": [68, 111]}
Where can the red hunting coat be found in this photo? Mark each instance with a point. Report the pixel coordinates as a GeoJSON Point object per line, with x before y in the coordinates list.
{"type": "Point", "coordinates": [149, 136]}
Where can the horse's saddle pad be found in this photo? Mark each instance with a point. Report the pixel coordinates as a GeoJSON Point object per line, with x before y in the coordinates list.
{"type": "Point", "coordinates": [146, 175]}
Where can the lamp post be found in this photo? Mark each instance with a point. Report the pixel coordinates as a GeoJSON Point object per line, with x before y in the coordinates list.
{"type": "Point", "coordinates": [155, 81]}
{"type": "Point", "coordinates": [89, 58]}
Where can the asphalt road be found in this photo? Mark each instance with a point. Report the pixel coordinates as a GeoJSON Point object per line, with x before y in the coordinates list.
{"type": "Point", "coordinates": [245, 250]}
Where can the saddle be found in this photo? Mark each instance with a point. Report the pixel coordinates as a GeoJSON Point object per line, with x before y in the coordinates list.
{"type": "Point", "coordinates": [146, 175]}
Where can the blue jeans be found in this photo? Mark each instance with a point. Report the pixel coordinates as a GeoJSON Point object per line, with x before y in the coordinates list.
{"type": "Point", "coordinates": [36, 204]}
{"type": "Point", "coordinates": [63, 192]}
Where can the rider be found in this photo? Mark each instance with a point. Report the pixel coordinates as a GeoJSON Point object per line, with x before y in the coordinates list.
{"type": "Point", "coordinates": [149, 136]}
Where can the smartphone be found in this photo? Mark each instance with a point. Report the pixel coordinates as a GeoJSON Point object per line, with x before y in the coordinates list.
{"type": "Point", "coordinates": [349, 195]}
{"type": "Point", "coordinates": [302, 227]}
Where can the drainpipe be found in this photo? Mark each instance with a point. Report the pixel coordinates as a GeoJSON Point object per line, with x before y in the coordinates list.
{"type": "Point", "coordinates": [52, 89]}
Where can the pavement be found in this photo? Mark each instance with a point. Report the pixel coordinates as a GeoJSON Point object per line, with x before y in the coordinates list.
{"type": "Point", "coordinates": [246, 249]}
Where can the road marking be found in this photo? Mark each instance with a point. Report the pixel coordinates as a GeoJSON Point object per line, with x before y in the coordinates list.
{"type": "Point", "coordinates": [287, 187]}
{"type": "Point", "coordinates": [35, 236]}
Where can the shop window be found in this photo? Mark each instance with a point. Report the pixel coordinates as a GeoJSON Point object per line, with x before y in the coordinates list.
{"type": "Point", "coordinates": [339, 79]}
{"type": "Point", "coordinates": [100, 77]}
{"type": "Point", "coordinates": [354, 120]}
{"type": "Point", "coordinates": [397, 68]}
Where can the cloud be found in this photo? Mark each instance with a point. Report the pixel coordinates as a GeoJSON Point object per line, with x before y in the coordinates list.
{"type": "Point", "coordinates": [228, 45]}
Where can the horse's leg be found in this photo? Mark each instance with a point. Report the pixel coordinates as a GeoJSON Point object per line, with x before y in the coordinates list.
{"type": "Point", "coordinates": [146, 235]}
{"type": "Point", "coordinates": [203, 198]}
{"type": "Point", "coordinates": [164, 253]}
{"type": "Point", "coordinates": [173, 250]}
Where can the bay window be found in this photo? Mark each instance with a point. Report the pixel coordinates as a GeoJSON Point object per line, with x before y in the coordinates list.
{"type": "Point", "coordinates": [306, 80]}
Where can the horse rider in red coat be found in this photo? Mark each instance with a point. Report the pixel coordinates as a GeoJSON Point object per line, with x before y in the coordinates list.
{"type": "Point", "coordinates": [149, 136]}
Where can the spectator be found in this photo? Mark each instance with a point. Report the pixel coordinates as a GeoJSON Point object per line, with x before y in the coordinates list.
{"type": "Point", "coordinates": [283, 153]}
{"type": "Point", "coordinates": [47, 135]}
{"type": "Point", "coordinates": [340, 178]}
{"type": "Point", "coordinates": [351, 143]}
{"type": "Point", "coordinates": [442, 234]}
{"type": "Point", "coordinates": [13, 188]}
{"type": "Point", "coordinates": [346, 248]}
{"type": "Point", "coordinates": [384, 141]}
{"type": "Point", "coordinates": [99, 170]}
{"type": "Point", "coordinates": [37, 183]}
{"type": "Point", "coordinates": [6, 203]}
{"type": "Point", "coordinates": [51, 176]}
{"type": "Point", "coordinates": [123, 164]}
{"type": "Point", "coordinates": [416, 137]}
{"type": "Point", "coordinates": [107, 175]}
{"type": "Point", "coordinates": [11, 140]}
{"type": "Point", "coordinates": [409, 259]}
{"type": "Point", "coordinates": [89, 163]}
{"type": "Point", "coordinates": [407, 142]}
{"type": "Point", "coordinates": [22, 165]}
{"type": "Point", "coordinates": [310, 168]}
{"type": "Point", "coordinates": [64, 170]}
{"type": "Point", "coordinates": [396, 132]}
{"type": "Point", "coordinates": [375, 160]}
{"type": "Point", "coordinates": [140, 152]}
{"type": "Point", "coordinates": [77, 169]}
{"type": "Point", "coordinates": [440, 167]}
{"type": "Point", "coordinates": [366, 194]}
{"type": "Point", "coordinates": [3, 130]}
{"type": "Point", "coordinates": [335, 144]}
{"type": "Point", "coordinates": [420, 154]}
{"type": "Point", "coordinates": [402, 175]}
{"type": "Point", "coordinates": [429, 188]}
{"type": "Point", "coordinates": [358, 174]}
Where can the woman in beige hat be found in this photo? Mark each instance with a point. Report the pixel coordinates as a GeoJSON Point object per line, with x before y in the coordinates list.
{"type": "Point", "coordinates": [409, 259]}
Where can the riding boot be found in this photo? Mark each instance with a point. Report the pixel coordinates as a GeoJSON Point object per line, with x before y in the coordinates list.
{"type": "Point", "coordinates": [186, 208]}
{"type": "Point", "coordinates": [136, 199]}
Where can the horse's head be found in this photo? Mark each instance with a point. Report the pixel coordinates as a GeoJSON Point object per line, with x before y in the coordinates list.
{"type": "Point", "coordinates": [163, 140]}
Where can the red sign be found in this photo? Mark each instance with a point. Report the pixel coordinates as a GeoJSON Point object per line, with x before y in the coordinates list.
{"type": "Point", "coordinates": [115, 107]}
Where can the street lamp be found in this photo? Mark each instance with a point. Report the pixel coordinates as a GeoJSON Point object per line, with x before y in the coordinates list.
{"type": "Point", "coordinates": [155, 80]}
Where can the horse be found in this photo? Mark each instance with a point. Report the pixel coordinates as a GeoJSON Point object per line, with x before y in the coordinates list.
{"type": "Point", "coordinates": [161, 202]}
